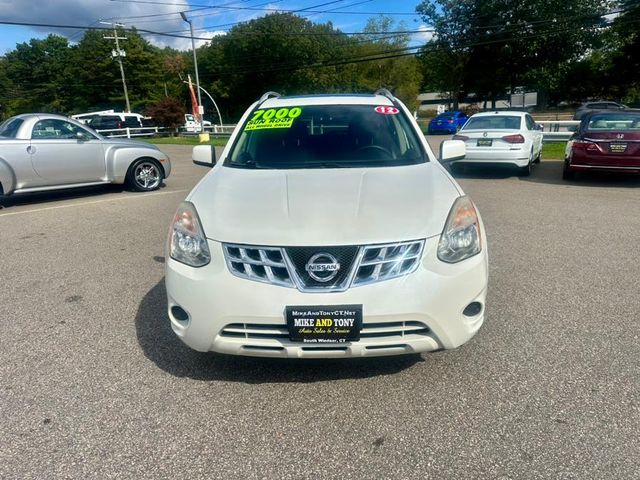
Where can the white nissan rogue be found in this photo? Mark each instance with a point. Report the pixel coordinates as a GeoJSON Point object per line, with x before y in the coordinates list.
{"type": "Point", "coordinates": [326, 229]}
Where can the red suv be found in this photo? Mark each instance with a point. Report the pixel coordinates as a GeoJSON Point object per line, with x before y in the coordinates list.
{"type": "Point", "coordinates": [605, 141]}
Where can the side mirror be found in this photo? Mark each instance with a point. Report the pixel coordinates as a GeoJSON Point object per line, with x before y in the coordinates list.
{"type": "Point", "coordinates": [204, 155]}
{"type": "Point", "coordinates": [539, 127]}
{"type": "Point", "coordinates": [81, 136]}
{"type": "Point", "coordinates": [452, 150]}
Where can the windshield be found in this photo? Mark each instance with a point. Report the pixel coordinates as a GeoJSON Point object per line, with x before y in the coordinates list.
{"type": "Point", "coordinates": [493, 122]}
{"type": "Point", "coordinates": [326, 136]}
{"type": "Point", "coordinates": [615, 122]}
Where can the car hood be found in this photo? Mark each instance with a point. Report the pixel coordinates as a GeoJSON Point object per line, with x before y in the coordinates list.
{"type": "Point", "coordinates": [324, 206]}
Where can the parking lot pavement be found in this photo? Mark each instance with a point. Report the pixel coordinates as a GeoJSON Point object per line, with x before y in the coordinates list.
{"type": "Point", "coordinates": [95, 385]}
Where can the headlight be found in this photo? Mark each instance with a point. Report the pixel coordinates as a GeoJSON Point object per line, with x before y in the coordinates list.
{"type": "Point", "coordinates": [460, 238]}
{"type": "Point", "coordinates": [187, 242]}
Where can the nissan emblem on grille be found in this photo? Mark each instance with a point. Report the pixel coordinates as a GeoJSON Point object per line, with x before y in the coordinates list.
{"type": "Point", "coordinates": [322, 267]}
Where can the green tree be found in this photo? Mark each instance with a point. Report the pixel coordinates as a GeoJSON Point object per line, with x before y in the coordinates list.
{"type": "Point", "coordinates": [40, 74]}
{"type": "Point", "coordinates": [97, 74]}
{"type": "Point", "coordinates": [7, 90]}
{"type": "Point", "coordinates": [500, 44]}
{"type": "Point", "coordinates": [400, 74]}
{"type": "Point", "coordinates": [280, 51]}
{"type": "Point", "coordinates": [626, 63]}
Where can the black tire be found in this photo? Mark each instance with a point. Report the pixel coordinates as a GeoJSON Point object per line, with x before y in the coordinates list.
{"type": "Point", "coordinates": [538, 158]}
{"type": "Point", "coordinates": [567, 174]}
{"type": "Point", "coordinates": [524, 171]}
{"type": "Point", "coordinates": [145, 175]}
{"type": "Point", "coordinates": [456, 169]}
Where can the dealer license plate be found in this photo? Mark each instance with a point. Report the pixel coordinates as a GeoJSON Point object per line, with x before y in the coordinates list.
{"type": "Point", "coordinates": [484, 142]}
{"type": "Point", "coordinates": [618, 147]}
{"type": "Point", "coordinates": [324, 324]}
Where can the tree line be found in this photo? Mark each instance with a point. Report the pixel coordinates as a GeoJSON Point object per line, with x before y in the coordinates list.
{"type": "Point", "coordinates": [567, 50]}
{"type": "Point", "coordinates": [280, 51]}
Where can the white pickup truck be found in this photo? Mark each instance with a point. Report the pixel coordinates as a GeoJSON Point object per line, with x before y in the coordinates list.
{"type": "Point", "coordinates": [191, 125]}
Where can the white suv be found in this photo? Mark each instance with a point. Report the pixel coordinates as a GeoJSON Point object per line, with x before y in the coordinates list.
{"type": "Point", "coordinates": [327, 229]}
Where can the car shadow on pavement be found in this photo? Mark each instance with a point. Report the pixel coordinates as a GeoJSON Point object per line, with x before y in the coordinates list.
{"type": "Point", "coordinates": [486, 172]}
{"type": "Point", "coordinates": [161, 346]}
{"type": "Point", "coordinates": [59, 195]}
{"type": "Point", "coordinates": [41, 198]}
{"type": "Point", "coordinates": [550, 172]}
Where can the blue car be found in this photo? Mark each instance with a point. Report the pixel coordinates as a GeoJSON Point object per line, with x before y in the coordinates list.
{"type": "Point", "coordinates": [447, 122]}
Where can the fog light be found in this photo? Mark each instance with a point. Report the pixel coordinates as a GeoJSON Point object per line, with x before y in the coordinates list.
{"type": "Point", "coordinates": [179, 314]}
{"type": "Point", "coordinates": [473, 309]}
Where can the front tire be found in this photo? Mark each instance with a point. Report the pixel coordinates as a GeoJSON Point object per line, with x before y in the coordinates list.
{"type": "Point", "coordinates": [456, 169]}
{"type": "Point", "coordinates": [145, 175]}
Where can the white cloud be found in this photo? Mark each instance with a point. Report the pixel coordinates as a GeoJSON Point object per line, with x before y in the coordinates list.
{"type": "Point", "coordinates": [611, 17]}
{"type": "Point", "coordinates": [184, 44]}
{"type": "Point", "coordinates": [91, 12]}
{"type": "Point", "coordinates": [425, 34]}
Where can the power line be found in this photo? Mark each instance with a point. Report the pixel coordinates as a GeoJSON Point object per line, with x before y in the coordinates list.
{"type": "Point", "coordinates": [337, 33]}
{"type": "Point", "coordinates": [156, 2]}
{"type": "Point", "coordinates": [402, 52]}
{"type": "Point", "coordinates": [408, 51]}
{"type": "Point", "coordinates": [231, 24]}
{"type": "Point", "coordinates": [126, 19]}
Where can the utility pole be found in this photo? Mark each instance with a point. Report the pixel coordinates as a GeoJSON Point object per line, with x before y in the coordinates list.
{"type": "Point", "coordinates": [195, 65]}
{"type": "Point", "coordinates": [118, 54]}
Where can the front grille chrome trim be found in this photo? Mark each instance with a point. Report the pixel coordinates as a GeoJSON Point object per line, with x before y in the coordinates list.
{"type": "Point", "coordinates": [388, 261]}
{"type": "Point", "coordinates": [253, 258]}
{"type": "Point", "coordinates": [372, 264]}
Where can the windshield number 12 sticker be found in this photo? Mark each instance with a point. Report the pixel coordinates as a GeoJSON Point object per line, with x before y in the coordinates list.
{"type": "Point", "coordinates": [272, 118]}
{"type": "Point", "coordinates": [388, 110]}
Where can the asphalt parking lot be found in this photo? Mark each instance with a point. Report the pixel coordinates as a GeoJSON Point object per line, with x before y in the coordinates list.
{"type": "Point", "coordinates": [95, 385]}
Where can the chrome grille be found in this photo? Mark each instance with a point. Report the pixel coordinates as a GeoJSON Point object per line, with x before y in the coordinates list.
{"type": "Point", "coordinates": [384, 262]}
{"type": "Point", "coordinates": [391, 330]}
{"type": "Point", "coordinates": [262, 264]}
{"type": "Point", "coordinates": [361, 265]}
{"type": "Point", "coordinates": [345, 256]}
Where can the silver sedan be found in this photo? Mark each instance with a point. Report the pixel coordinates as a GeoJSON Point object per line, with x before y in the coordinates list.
{"type": "Point", "coordinates": [40, 152]}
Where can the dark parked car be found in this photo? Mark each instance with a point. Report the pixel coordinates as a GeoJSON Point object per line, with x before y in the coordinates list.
{"type": "Point", "coordinates": [114, 122]}
{"type": "Point", "coordinates": [447, 122]}
{"type": "Point", "coordinates": [106, 122]}
{"type": "Point", "coordinates": [605, 141]}
{"type": "Point", "coordinates": [597, 106]}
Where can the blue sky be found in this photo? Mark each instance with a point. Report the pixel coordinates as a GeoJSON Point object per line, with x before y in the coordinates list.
{"type": "Point", "coordinates": [348, 15]}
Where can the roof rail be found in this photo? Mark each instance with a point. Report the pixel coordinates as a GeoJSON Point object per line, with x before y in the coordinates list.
{"type": "Point", "coordinates": [267, 96]}
{"type": "Point", "coordinates": [385, 93]}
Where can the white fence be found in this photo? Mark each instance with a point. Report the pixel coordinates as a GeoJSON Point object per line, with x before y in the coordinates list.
{"type": "Point", "coordinates": [220, 129]}
{"type": "Point", "coordinates": [558, 130]}
{"type": "Point", "coordinates": [153, 131]}
{"type": "Point", "coordinates": [132, 132]}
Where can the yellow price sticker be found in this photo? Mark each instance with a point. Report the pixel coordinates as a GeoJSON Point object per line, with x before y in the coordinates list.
{"type": "Point", "coordinates": [272, 118]}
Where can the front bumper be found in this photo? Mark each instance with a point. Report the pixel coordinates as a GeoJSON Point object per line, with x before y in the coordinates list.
{"type": "Point", "coordinates": [420, 312]}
